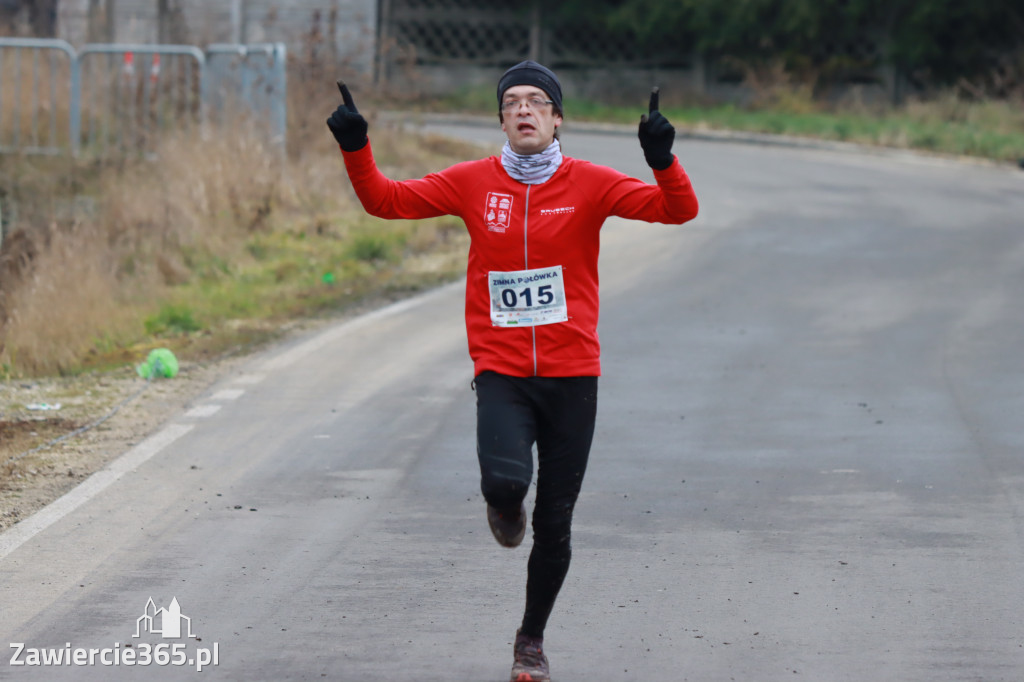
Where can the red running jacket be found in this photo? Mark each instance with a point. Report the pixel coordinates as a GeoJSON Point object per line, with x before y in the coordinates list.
{"type": "Point", "coordinates": [515, 227]}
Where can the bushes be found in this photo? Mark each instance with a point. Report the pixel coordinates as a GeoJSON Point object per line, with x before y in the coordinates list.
{"type": "Point", "coordinates": [977, 45]}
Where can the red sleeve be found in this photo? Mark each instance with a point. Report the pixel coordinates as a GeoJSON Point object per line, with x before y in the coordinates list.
{"type": "Point", "coordinates": [671, 201]}
{"type": "Point", "coordinates": [428, 197]}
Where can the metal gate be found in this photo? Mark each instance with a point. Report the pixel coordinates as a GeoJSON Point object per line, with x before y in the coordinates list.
{"type": "Point", "coordinates": [36, 78]}
{"type": "Point", "coordinates": [130, 94]}
{"type": "Point", "coordinates": [252, 76]}
{"type": "Point", "coordinates": [118, 99]}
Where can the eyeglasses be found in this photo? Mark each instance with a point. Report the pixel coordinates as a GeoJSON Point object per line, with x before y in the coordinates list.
{"type": "Point", "coordinates": [531, 103]}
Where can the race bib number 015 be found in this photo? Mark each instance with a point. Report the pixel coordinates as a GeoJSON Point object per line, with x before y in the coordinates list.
{"type": "Point", "coordinates": [527, 298]}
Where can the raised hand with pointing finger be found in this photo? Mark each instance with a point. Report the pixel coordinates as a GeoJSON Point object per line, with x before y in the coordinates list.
{"type": "Point", "coordinates": [347, 124]}
{"type": "Point", "coordinates": [656, 136]}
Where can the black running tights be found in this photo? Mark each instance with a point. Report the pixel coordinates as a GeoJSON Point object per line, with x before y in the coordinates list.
{"type": "Point", "coordinates": [556, 413]}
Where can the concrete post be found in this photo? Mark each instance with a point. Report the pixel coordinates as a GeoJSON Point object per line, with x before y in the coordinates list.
{"type": "Point", "coordinates": [536, 33]}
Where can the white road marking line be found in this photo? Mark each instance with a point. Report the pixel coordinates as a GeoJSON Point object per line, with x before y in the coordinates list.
{"type": "Point", "coordinates": [201, 411]}
{"type": "Point", "coordinates": [17, 535]}
{"type": "Point", "coordinates": [249, 379]}
{"type": "Point", "coordinates": [228, 394]}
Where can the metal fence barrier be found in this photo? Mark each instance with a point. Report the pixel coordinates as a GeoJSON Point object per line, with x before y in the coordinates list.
{"type": "Point", "coordinates": [118, 99]}
{"type": "Point", "coordinates": [130, 94]}
{"type": "Point", "coordinates": [251, 75]}
{"type": "Point", "coordinates": [35, 95]}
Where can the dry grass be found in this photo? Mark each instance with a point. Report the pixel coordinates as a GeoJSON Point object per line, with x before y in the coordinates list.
{"type": "Point", "coordinates": [65, 304]}
{"type": "Point", "coordinates": [206, 192]}
{"type": "Point", "coordinates": [220, 228]}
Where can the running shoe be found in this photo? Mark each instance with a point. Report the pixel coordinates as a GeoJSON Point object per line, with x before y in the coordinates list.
{"type": "Point", "coordinates": [531, 665]}
{"type": "Point", "coordinates": [508, 530]}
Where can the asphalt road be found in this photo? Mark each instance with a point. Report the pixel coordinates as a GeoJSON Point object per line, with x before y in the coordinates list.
{"type": "Point", "coordinates": [807, 465]}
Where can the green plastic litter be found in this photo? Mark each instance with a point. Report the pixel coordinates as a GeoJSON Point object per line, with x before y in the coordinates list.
{"type": "Point", "coordinates": [160, 363]}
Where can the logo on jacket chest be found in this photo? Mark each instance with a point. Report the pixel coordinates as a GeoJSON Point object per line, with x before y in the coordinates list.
{"type": "Point", "coordinates": [498, 211]}
{"type": "Point", "coordinates": [564, 210]}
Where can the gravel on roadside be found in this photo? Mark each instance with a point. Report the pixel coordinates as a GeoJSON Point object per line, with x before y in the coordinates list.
{"type": "Point", "coordinates": [111, 411]}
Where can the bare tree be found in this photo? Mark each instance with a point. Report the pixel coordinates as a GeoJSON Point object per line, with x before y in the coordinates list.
{"type": "Point", "coordinates": [94, 22]}
{"type": "Point", "coordinates": [170, 22]}
{"type": "Point", "coordinates": [9, 10]}
{"type": "Point", "coordinates": [100, 27]}
{"type": "Point", "coordinates": [42, 17]}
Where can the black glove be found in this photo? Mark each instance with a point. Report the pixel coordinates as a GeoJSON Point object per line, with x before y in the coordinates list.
{"type": "Point", "coordinates": [347, 124]}
{"type": "Point", "coordinates": [656, 136]}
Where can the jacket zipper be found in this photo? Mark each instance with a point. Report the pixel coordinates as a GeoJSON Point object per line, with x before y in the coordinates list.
{"type": "Point", "coordinates": [526, 266]}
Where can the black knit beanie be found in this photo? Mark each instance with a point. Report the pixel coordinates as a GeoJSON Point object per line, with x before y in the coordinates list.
{"type": "Point", "coordinates": [532, 73]}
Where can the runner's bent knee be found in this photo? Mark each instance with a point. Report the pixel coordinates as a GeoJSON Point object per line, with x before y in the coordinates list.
{"type": "Point", "coordinates": [503, 491]}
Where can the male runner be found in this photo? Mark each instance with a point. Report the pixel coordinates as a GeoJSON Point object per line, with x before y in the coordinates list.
{"type": "Point", "coordinates": [534, 217]}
